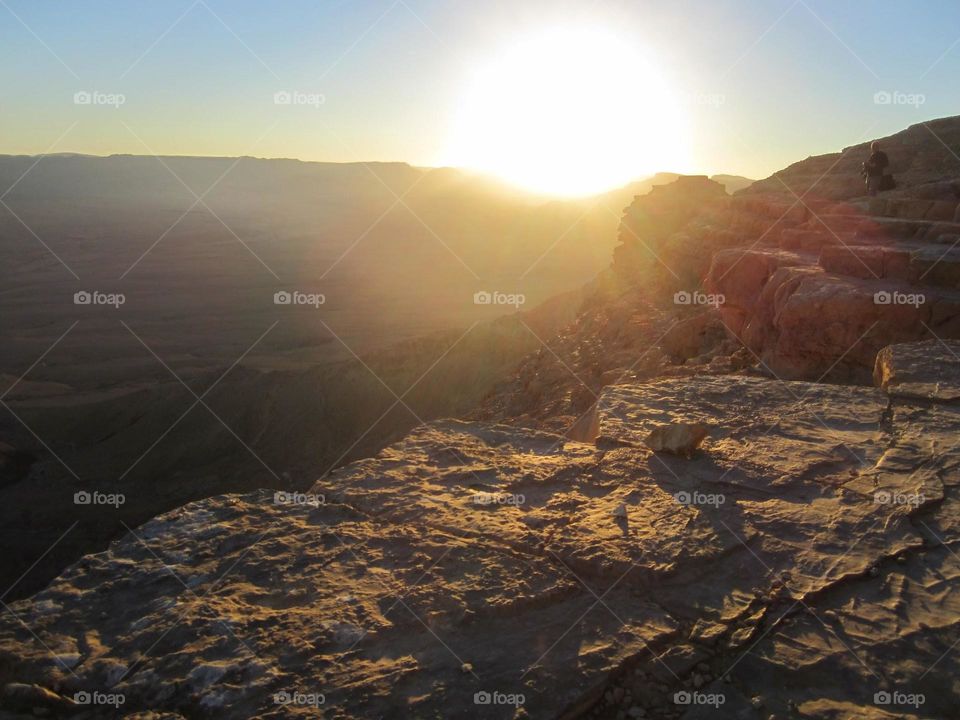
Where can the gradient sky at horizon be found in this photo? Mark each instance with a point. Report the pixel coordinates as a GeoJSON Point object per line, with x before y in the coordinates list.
{"type": "Point", "coordinates": [764, 82]}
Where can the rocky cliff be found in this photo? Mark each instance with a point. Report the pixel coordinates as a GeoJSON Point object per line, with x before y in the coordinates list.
{"type": "Point", "coordinates": [797, 565]}
{"type": "Point", "coordinates": [540, 560]}
{"type": "Point", "coordinates": [810, 276]}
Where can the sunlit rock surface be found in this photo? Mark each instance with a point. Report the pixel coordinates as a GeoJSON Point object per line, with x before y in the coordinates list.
{"type": "Point", "coordinates": [806, 534]}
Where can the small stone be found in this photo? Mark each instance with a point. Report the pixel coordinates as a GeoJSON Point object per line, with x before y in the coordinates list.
{"type": "Point", "coordinates": [466, 668]}
{"type": "Point", "coordinates": [757, 702]}
{"type": "Point", "coordinates": [620, 510]}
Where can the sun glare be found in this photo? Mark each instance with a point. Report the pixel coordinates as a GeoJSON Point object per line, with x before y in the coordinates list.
{"type": "Point", "coordinates": [569, 112]}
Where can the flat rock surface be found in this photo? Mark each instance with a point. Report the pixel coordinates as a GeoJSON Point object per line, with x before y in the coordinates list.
{"type": "Point", "coordinates": [813, 531]}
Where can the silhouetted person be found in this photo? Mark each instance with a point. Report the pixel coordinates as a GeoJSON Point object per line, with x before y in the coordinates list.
{"type": "Point", "coordinates": [875, 168]}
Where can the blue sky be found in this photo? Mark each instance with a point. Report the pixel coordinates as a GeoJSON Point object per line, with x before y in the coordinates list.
{"type": "Point", "coordinates": [765, 82]}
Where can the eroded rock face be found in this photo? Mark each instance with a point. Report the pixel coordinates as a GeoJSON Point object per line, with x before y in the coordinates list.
{"type": "Point", "coordinates": [813, 277]}
{"type": "Point", "coordinates": [474, 558]}
{"type": "Point", "coordinates": [650, 246]}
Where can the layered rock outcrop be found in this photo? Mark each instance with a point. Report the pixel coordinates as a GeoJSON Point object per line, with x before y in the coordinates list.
{"type": "Point", "coordinates": [812, 277]}
{"type": "Point", "coordinates": [827, 299]}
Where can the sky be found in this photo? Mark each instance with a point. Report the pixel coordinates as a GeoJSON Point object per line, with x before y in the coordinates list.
{"type": "Point", "coordinates": [759, 83]}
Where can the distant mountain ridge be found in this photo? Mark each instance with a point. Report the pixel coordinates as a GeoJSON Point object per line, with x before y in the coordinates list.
{"type": "Point", "coordinates": [201, 168]}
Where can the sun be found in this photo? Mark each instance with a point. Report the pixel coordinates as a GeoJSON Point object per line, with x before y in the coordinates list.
{"type": "Point", "coordinates": [570, 111]}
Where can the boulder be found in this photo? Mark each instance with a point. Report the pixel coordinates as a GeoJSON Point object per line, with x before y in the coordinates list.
{"type": "Point", "coordinates": [928, 370]}
{"type": "Point", "coordinates": [677, 438]}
